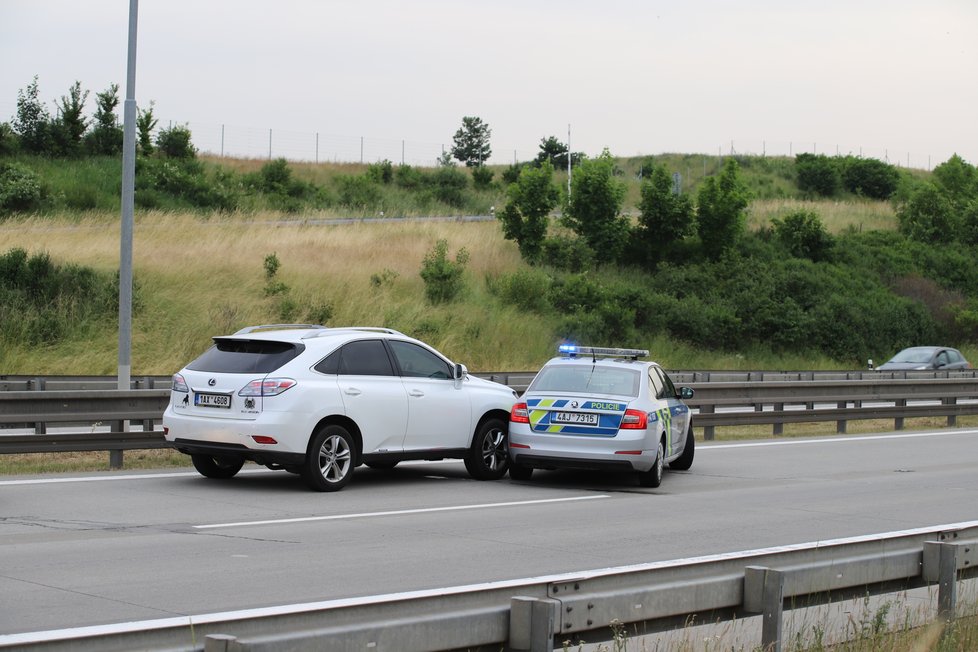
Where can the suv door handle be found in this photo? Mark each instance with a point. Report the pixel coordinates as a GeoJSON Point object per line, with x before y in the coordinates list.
{"type": "Point", "coordinates": [416, 392]}
{"type": "Point", "coordinates": [352, 391]}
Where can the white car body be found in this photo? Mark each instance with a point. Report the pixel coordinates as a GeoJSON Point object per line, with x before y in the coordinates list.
{"type": "Point", "coordinates": [264, 393]}
{"type": "Point", "coordinates": [587, 411]}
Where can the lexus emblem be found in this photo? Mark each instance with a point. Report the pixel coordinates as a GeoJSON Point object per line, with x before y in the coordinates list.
{"type": "Point", "coordinates": [212, 382]}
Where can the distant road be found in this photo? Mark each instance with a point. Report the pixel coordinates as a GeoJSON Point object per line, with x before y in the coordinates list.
{"type": "Point", "coordinates": [89, 549]}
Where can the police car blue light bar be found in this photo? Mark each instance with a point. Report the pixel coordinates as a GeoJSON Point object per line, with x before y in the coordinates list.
{"type": "Point", "coordinates": [574, 350]}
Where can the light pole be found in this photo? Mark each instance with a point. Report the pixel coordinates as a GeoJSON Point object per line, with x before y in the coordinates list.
{"type": "Point", "coordinates": [128, 198]}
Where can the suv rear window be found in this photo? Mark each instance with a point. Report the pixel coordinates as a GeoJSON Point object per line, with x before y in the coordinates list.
{"type": "Point", "coordinates": [245, 356]}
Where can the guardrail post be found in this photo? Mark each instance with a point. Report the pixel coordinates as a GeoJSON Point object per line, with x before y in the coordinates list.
{"type": "Point", "coordinates": [219, 643]}
{"type": "Point", "coordinates": [38, 384]}
{"type": "Point", "coordinates": [778, 425]}
{"type": "Point", "coordinates": [764, 594]}
{"type": "Point", "coordinates": [952, 419]}
{"type": "Point", "coordinates": [898, 422]}
{"type": "Point", "coordinates": [840, 426]}
{"type": "Point", "coordinates": [115, 456]}
{"type": "Point", "coordinates": [708, 431]}
{"type": "Point", "coordinates": [531, 624]}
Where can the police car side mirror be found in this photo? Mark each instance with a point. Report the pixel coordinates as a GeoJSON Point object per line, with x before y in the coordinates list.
{"type": "Point", "coordinates": [686, 393]}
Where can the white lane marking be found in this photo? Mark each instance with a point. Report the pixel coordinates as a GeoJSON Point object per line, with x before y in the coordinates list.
{"type": "Point", "coordinates": [305, 607]}
{"type": "Point", "coordinates": [701, 446]}
{"type": "Point", "coordinates": [834, 440]}
{"type": "Point", "coordinates": [398, 512]}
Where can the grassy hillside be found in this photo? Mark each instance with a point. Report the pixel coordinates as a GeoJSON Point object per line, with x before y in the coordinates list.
{"type": "Point", "coordinates": [202, 273]}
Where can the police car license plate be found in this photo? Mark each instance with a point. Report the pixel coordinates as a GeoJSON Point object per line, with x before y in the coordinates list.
{"type": "Point", "coordinates": [213, 400]}
{"type": "Point", "coordinates": [576, 418]}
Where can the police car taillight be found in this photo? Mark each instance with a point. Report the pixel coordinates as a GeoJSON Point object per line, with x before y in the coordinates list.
{"type": "Point", "coordinates": [519, 414]}
{"type": "Point", "coordinates": [634, 420]}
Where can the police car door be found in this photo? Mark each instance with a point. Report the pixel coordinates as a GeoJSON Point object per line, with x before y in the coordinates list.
{"type": "Point", "coordinates": [675, 412]}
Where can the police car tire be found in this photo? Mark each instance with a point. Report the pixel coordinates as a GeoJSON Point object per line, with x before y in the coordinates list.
{"type": "Point", "coordinates": [217, 468]}
{"type": "Point", "coordinates": [653, 477]}
{"type": "Point", "coordinates": [520, 472]}
{"type": "Point", "coordinates": [488, 457]}
{"type": "Point", "coordinates": [685, 459]}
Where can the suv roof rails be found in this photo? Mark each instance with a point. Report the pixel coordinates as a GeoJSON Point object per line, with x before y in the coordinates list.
{"type": "Point", "coordinates": [366, 329]}
{"type": "Point", "coordinates": [279, 327]}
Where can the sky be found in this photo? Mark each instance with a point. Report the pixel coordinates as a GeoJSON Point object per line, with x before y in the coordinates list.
{"type": "Point", "coordinates": [371, 79]}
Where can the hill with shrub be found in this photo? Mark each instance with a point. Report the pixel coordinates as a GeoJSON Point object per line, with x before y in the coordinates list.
{"type": "Point", "coordinates": [814, 261]}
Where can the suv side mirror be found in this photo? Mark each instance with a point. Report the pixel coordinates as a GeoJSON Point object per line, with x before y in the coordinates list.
{"type": "Point", "coordinates": [459, 371]}
{"type": "Point", "coordinates": [686, 393]}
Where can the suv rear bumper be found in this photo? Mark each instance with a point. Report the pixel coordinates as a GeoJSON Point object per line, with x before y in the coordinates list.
{"type": "Point", "coordinates": [217, 449]}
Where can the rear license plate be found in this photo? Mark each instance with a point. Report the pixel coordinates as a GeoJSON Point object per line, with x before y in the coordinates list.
{"type": "Point", "coordinates": [213, 400]}
{"type": "Point", "coordinates": [576, 418]}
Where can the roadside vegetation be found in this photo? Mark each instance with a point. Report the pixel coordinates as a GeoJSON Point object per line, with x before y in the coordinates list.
{"type": "Point", "coordinates": [733, 262]}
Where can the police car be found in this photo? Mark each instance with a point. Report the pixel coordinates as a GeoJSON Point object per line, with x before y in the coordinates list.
{"type": "Point", "coordinates": [601, 409]}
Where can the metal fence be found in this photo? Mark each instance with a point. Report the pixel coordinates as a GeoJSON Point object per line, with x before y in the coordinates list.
{"type": "Point", "coordinates": [89, 416]}
{"type": "Point", "coordinates": [535, 614]}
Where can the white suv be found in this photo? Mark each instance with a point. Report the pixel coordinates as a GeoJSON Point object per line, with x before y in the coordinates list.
{"type": "Point", "coordinates": [321, 401]}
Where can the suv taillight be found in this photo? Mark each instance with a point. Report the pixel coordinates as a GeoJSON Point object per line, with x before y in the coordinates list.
{"type": "Point", "coordinates": [519, 414]}
{"type": "Point", "coordinates": [634, 420]}
{"type": "Point", "coordinates": [179, 384]}
{"type": "Point", "coordinates": [267, 387]}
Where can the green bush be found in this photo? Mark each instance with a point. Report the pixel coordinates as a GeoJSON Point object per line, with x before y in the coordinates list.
{"type": "Point", "coordinates": [448, 186]}
{"type": "Point", "coordinates": [527, 289]}
{"type": "Point", "coordinates": [869, 177]}
{"type": "Point", "coordinates": [175, 142]}
{"type": "Point", "coordinates": [928, 216]}
{"type": "Point", "coordinates": [20, 190]}
{"type": "Point", "coordinates": [442, 277]}
{"type": "Point", "coordinates": [819, 174]}
{"type": "Point", "coordinates": [9, 143]}
{"type": "Point", "coordinates": [357, 192]}
{"type": "Point", "coordinates": [186, 181]}
{"type": "Point", "coordinates": [803, 234]}
{"type": "Point", "coordinates": [42, 303]}
{"type": "Point", "coordinates": [567, 253]}
{"type": "Point", "coordinates": [482, 177]}
{"type": "Point", "coordinates": [382, 172]}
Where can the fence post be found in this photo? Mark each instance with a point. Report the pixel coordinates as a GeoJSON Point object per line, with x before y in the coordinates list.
{"type": "Point", "coordinates": [531, 624]}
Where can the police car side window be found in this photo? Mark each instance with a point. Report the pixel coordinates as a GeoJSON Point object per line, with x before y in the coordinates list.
{"type": "Point", "coordinates": [655, 384]}
{"type": "Point", "coordinates": [670, 389]}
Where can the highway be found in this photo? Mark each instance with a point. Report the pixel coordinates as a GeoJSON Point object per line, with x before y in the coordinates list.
{"type": "Point", "coordinates": [94, 549]}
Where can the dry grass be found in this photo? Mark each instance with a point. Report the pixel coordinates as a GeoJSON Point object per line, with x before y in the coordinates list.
{"type": "Point", "coordinates": [837, 216]}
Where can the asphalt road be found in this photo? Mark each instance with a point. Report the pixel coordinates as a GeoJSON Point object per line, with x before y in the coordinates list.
{"type": "Point", "coordinates": [105, 548]}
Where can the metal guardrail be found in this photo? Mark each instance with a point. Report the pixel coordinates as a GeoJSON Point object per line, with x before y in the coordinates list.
{"type": "Point", "coordinates": [535, 614]}
{"type": "Point", "coordinates": [716, 403]}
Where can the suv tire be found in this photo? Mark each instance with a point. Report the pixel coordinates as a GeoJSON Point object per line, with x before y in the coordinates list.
{"type": "Point", "coordinates": [217, 468]}
{"type": "Point", "coordinates": [330, 461]}
{"type": "Point", "coordinates": [488, 457]}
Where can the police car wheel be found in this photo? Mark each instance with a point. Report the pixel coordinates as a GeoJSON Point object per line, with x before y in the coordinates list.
{"type": "Point", "coordinates": [685, 459]}
{"type": "Point", "coordinates": [653, 477]}
{"type": "Point", "coordinates": [488, 457]}
{"type": "Point", "coordinates": [217, 468]}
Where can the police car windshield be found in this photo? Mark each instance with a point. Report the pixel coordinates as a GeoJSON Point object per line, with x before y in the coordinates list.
{"type": "Point", "coordinates": [587, 379]}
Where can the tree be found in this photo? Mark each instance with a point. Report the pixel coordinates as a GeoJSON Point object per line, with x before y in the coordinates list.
{"type": "Point", "coordinates": [442, 277]}
{"type": "Point", "coordinates": [175, 142]}
{"type": "Point", "coordinates": [869, 177]}
{"type": "Point", "coordinates": [524, 218]}
{"type": "Point", "coordinates": [106, 134]}
{"type": "Point", "coordinates": [928, 216]}
{"type": "Point", "coordinates": [593, 209]}
{"type": "Point", "coordinates": [554, 151]}
{"type": "Point", "coordinates": [70, 125]}
{"type": "Point", "coordinates": [32, 124]}
{"type": "Point", "coordinates": [145, 124]}
{"type": "Point", "coordinates": [665, 217]}
{"type": "Point", "coordinates": [472, 142]}
{"type": "Point", "coordinates": [958, 180]}
{"type": "Point", "coordinates": [720, 210]}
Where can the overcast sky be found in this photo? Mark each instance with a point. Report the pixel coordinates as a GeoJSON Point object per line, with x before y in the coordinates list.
{"type": "Point", "coordinates": [885, 78]}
